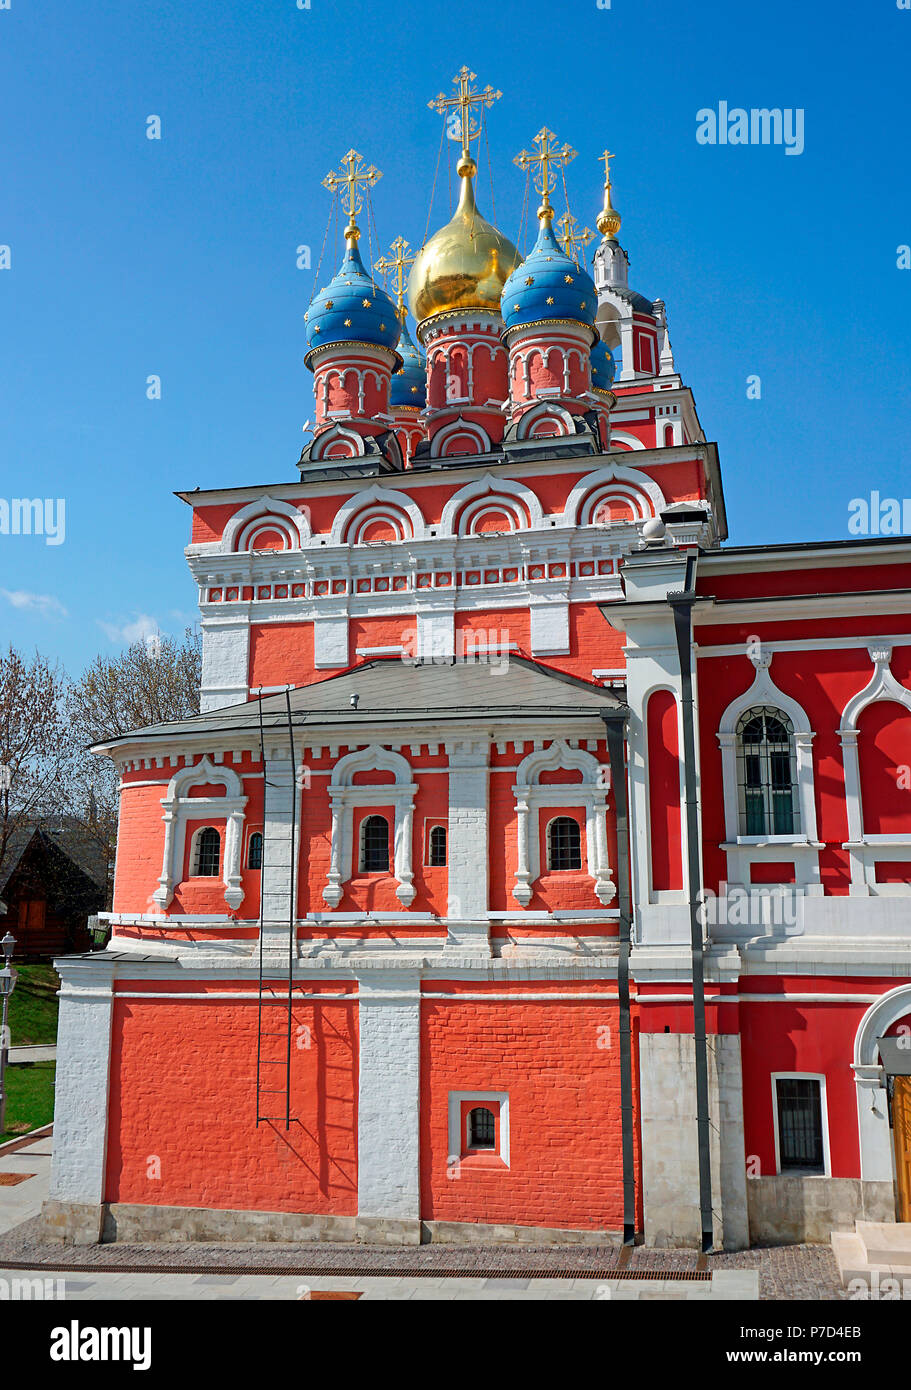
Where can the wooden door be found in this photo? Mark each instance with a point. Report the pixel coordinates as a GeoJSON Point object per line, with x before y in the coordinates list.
{"type": "Point", "coordinates": [901, 1119]}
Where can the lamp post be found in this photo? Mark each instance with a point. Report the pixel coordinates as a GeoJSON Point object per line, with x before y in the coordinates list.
{"type": "Point", "coordinates": [7, 985]}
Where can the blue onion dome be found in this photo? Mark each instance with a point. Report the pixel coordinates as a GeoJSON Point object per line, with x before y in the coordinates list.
{"type": "Point", "coordinates": [604, 368]}
{"type": "Point", "coordinates": [352, 308]}
{"type": "Point", "coordinates": [409, 383]}
{"type": "Point", "coordinates": [548, 285]}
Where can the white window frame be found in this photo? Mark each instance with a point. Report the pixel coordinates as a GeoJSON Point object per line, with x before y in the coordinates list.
{"type": "Point", "coordinates": [801, 848]}
{"type": "Point", "coordinates": [531, 796]}
{"type": "Point", "coordinates": [344, 796]}
{"type": "Point", "coordinates": [178, 808]}
{"type": "Point", "coordinates": [863, 849]}
{"type": "Point", "coordinates": [777, 1076]}
{"type": "Point", "coordinates": [457, 1139]}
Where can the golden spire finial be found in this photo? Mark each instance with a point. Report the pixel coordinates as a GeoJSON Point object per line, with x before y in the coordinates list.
{"type": "Point", "coordinates": [547, 160]}
{"type": "Point", "coordinates": [349, 178]}
{"type": "Point", "coordinates": [609, 219]}
{"type": "Point", "coordinates": [397, 265]}
{"type": "Point", "coordinates": [465, 98]}
{"type": "Point", "coordinates": [569, 238]}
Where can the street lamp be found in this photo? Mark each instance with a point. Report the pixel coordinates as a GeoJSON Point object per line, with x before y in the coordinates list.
{"type": "Point", "coordinates": [7, 985]}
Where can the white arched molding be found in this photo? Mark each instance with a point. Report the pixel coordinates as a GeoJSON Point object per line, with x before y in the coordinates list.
{"type": "Point", "coordinates": [540, 411]}
{"type": "Point", "coordinates": [325, 444]}
{"type": "Point", "coordinates": [612, 480]}
{"type": "Point", "coordinates": [531, 796]}
{"type": "Point", "coordinates": [631, 441]}
{"type": "Point", "coordinates": [178, 807]}
{"type": "Point", "coordinates": [375, 503]}
{"type": "Point", "coordinates": [344, 795]}
{"type": "Point", "coordinates": [863, 849]}
{"type": "Point", "coordinates": [453, 430]}
{"type": "Point", "coordinates": [261, 514]}
{"type": "Point", "coordinates": [800, 848]}
{"type": "Point", "coordinates": [876, 1151]}
{"type": "Point", "coordinates": [457, 512]}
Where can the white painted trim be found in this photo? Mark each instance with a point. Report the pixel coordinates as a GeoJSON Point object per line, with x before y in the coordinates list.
{"type": "Point", "coordinates": [455, 1137]}
{"type": "Point", "coordinates": [777, 1076]}
{"type": "Point", "coordinates": [580, 503]}
{"type": "Point", "coordinates": [289, 520]}
{"type": "Point", "coordinates": [489, 489]}
{"type": "Point", "coordinates": [530, 796]}
{"type": "Point", "coordinates": [178, 809]}
{"type": "Point", "coordinates": [344, 795]}
{"type": "Point", "coordinates": [864, 850]}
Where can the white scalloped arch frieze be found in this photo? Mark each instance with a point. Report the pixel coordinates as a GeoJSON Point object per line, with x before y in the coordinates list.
{"type": "Point", "coordinates": [515, 499]}
{"type": "Point", "coordinates": [630, 484]}
{"type": "Point", "coordinates": [263, 514]}
{"type": "Point", "coordinates": [377, 503]}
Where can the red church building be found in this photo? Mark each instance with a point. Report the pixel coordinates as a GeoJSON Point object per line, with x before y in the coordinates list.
{"type": "Point", "coordinates": [539, 867]}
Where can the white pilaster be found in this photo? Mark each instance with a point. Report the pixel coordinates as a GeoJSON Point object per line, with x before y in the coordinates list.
{"type": "Point", "coordinates": [83, 1068]}
{"type": "Point", "coordinates": [389, 1097]}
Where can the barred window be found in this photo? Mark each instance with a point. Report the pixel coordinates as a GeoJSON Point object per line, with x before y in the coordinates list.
{"type": "Point", "coordinates": [482, 1130]}
{"type": "Point", "coordinates": [767, 773]}
{"type": "Point", "coordinates": [799, 1124]}
{"type": "Point", "coordinates": [255, 851]}
{"type": "Point", "coordinates": [436, 846]}
{"type": "Point", "coordinates": [564, 844]}
{"type": "Point", "coordinates": [375, 845]}
{"type": "Point", "coordinates": [208, 853]}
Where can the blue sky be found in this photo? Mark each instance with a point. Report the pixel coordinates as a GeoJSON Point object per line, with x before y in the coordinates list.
{"type": "Point", "coordinates": [132, 257]}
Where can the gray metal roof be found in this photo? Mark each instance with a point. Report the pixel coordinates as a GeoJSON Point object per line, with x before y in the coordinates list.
{"type": "Point", "coordinates": [393, 692]}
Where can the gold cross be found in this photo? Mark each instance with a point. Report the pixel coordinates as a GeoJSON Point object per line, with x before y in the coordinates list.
{"type": "Point", "coordinates": [547, 160]}
{"type": "Point", "coordinates": [349, 178]}
{"type": "Point", "coordinates": [607, 156]}
{"type": "Point", "coordinates": [569, 238]}
{"type": "Point", "coordinates": [397, 264]}
{"type": "Point", "coordinates": [465, 99]}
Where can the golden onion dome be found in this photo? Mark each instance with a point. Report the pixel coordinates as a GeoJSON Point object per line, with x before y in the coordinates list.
{"type": "Point", "coordinates": [465, 264]}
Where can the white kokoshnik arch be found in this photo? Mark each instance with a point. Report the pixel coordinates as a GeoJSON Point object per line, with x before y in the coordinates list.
{"type": "Point", "coordinates": [377, 502]}
{"type": "Point", "coordinates": [863, 849]}
{"type": "Point", "coordinates": [344, 795]}
{"type": "Point", "coordinates": [531, 796]}
{"type": "Point", "coordinates": [257, 515]}
{"type": "Point", "coordinates": [178, 808]}
{"type": "Point", "coordinates": [876, 1148]}
{"type": "Point", "coordinates": [615, 479]}
{"type": "Point", "coordinates": [457, 513]}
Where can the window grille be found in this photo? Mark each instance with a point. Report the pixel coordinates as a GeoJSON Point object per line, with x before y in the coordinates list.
{"type": "Point", "coordinates": [375, 845]}
{"type": "Point", "coordinates": [208, 853]}
{"type": "Point", "coordinates": [564, 844]}
{"type": "Point", "coordinates": [482, 1130]}
{"type": "Point", "coordinates": [436, 852]}
{"type": "Point", "coordinates": [255, 851]}
{"type": "Point", "coordinates": [767, 773]}
{"type": "Point", "coordinates": [799, 1124]}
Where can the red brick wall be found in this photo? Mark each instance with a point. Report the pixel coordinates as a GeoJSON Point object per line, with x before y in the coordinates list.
{"type": "Point", "coordinates": [183, 1091]}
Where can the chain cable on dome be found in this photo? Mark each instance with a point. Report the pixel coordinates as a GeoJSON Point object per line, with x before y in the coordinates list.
{"type": "Point", "coordinates": [314, 286]}
{"type": "Point", "coordinates": [493, 206]}
{"type": "Point", "coordinates": [434, 184]}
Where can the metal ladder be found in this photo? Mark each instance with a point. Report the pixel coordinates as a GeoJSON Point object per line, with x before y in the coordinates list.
{"type": "Point", "coordinates": [273, 1045]}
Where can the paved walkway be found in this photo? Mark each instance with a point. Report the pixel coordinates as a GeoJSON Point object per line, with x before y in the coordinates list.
{"type": "Point", "coordinates": [37, 1052]}
{"type": "Point", "coordinates": [499, 1272]}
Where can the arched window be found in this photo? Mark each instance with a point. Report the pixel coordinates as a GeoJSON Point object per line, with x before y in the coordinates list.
{"type": "Point", "coordinates": [767, 773]}
{"type": "Point", "coordinates": [436, 846]}
{"type": "Point", "coordinates": [208, 853]}
{"type": "Point", "coordinates": [375, 845]}
{"type": "Point", "coordinates": [564, 844]}
{"type": "Point", "coordinates": [255, 851]}
{"type": "Point", "coordinates": [482, 1129]}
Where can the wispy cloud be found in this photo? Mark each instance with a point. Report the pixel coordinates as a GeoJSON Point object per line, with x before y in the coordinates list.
{"type": "Point", "coordinates": [45, 605]}
{"type": "Point", "coordinates": [142, 627]}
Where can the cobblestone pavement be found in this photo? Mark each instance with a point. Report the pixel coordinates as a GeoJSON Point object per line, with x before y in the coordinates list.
{"type": "Point", "coordinates": [785, 1272]}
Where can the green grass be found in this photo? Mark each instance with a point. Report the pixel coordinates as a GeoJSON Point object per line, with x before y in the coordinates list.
{"type": "Point", "coordinates": [33, 1005]}
{"type": "Point", "coordinates": [29, 1098]}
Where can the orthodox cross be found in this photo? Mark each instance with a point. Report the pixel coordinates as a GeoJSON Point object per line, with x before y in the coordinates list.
{"type": "Point", "coordinates": [549, 158]}
{"type": "Point", "coordinates": [569, 238]}
{"type": "Point", "coordinates": [350, 178]}
{"type": "Point", "coordinates": [465, 99]}
{"type": "Point", "coordinates": [396, 265]}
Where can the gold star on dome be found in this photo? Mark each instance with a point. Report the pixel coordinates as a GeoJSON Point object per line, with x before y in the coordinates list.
{"type": "Point", "coordinates": [567, 279]}
{"type": "Point", "coordinates": [306, 316]}
{"type": "Point", "coordinates": [316, 329]}
{"type": "Point", "coordinates": [330, 303]}
{"type": "Point", "coordinates": [365, 303]}
{"type": "Point", "coordinates": [348, 321]}
{"type": "Point", "coordinates": [582, 305]}
{"type": "Point", "coordinates": [529, 279]}
{"type": "Point", "coordinates": [550, 299]}
{"type": "Point", "coordinates": [515, 306]}
{"type": "Point", "coordinates": [382, 328]}
{"type": "Point", "coordinates": [414, 390]}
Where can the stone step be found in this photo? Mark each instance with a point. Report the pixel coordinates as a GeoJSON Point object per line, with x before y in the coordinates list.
{"type": "Point", "coordinates": [886, 1242]}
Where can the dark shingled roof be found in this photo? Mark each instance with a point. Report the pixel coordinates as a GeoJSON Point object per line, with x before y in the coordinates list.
{"type": "Point", "coordinates": [390, 691]}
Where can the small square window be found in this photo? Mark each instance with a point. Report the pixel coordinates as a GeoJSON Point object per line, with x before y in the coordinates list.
{"type": "Point", "coordinates": [479, 1128]}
